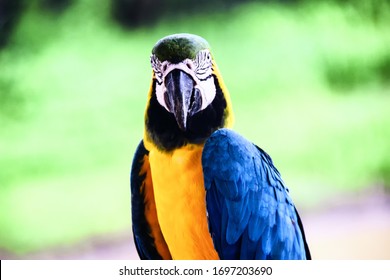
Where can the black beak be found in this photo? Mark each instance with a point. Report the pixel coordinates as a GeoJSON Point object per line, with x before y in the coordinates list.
{"type": "Point", "coordinates": [182, 98]}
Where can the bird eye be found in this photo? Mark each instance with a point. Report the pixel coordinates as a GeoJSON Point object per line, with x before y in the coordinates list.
{"type": "Point", "coordinates": [189, 65]}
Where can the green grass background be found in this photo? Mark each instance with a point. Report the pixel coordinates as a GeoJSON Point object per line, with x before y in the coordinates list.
{"type": "Point", "coordinates": [309, 83]}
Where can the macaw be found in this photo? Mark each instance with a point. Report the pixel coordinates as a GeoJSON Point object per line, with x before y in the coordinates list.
{"type": "Point", "coordinates": [199, 190]}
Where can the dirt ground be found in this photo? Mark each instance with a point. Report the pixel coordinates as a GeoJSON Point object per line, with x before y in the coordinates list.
{"type": "Point", "coordinates": [356, 228]}
{"type": "Point", "coordinates": [352, 228]}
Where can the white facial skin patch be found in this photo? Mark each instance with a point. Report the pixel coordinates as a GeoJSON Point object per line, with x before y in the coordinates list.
{"type": "Point", "coordinates": [200, 69]}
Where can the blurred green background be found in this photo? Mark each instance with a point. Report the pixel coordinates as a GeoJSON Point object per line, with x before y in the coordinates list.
{"type": "Point", "coordinates": [309, 81]}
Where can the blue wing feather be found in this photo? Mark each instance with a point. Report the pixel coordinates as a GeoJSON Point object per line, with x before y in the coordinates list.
{"type": "Point", "coordinates": [251, 215]}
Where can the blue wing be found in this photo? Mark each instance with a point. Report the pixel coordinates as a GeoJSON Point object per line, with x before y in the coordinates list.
{"type": "Point", "coordinates": [251, 215]}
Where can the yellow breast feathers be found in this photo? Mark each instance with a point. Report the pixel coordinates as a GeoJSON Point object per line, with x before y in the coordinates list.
{"type": "Point", "coordinates": [180, 201]}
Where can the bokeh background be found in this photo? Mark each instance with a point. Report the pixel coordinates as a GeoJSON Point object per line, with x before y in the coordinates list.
{"type": "Point", "coordinates": [309, 81]}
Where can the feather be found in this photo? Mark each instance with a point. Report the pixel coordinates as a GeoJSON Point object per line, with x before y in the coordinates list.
{"type": "Point", "coordinates": [250, 212]}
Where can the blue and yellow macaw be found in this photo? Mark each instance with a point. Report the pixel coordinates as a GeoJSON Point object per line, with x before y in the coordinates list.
{"type": "Point", "coordinates": [198, 189]}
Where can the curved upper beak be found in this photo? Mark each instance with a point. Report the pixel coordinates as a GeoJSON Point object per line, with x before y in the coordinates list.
{"type": "Point", "coordinates": [182, 97]}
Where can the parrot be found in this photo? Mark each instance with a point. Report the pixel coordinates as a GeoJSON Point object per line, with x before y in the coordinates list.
{"type": "Point", "coordinates": [200, 190]}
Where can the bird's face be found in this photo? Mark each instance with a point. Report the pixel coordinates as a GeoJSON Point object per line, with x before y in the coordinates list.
{"type": "Point", "coordinates": [184, 87]}
{"type": "Point", "coordinates": [187, 100]}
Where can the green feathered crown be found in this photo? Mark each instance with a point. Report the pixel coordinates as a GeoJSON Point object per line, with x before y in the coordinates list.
{"type": "Point", "coordinates": [177, 47]}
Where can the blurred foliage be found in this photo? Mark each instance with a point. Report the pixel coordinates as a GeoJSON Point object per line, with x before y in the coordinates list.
{"type": "Point", "coordinates": [352, 73]}
{"type": "Point", "coordinates": [375, 10]}
{"type": "Point", "coordinates": [133, 13]}
{"type": "Point", "coordinates": [11, 101]}
{"type": "Point", "coordinates": [10, 12]}
{"type": "Point", "coordinates": [56, 5]}
{"type": "Point", "coordinates": [309, 82]}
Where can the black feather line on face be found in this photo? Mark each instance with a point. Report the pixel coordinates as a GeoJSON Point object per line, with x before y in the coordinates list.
{"type": "Point", "coordinates": [163, 130]}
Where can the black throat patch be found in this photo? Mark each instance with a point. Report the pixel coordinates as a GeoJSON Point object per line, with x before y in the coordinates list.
{"type": "Point", "coordinates": [162, 128]}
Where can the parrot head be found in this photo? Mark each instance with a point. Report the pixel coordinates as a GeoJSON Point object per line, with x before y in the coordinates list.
{"type": "Point", "coordinates": [188, 99]}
